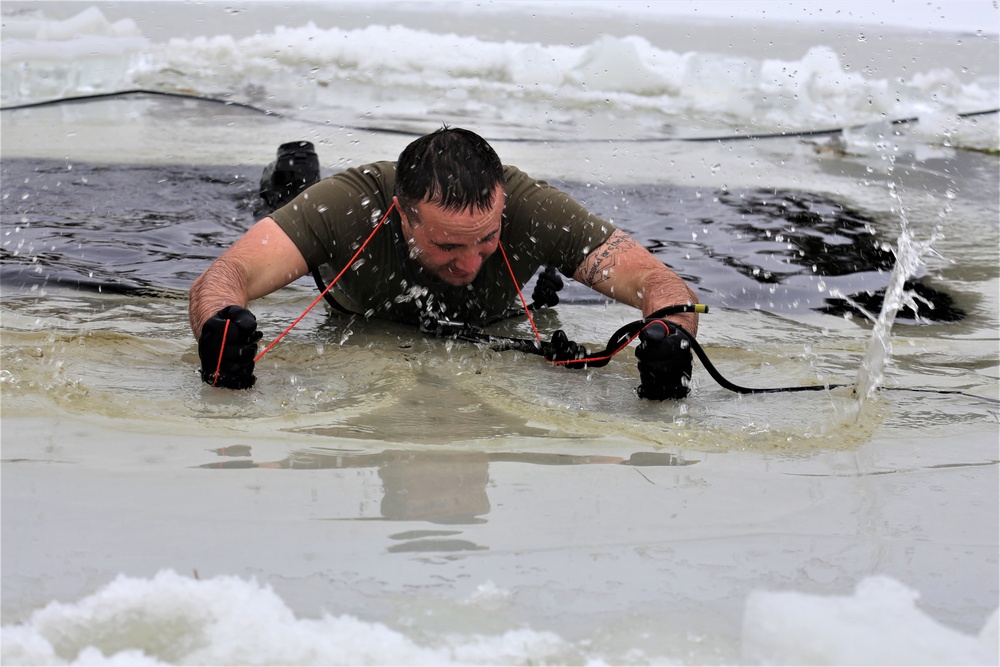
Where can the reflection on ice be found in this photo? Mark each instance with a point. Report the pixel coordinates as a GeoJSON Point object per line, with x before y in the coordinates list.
{"type": "Point", "coordinates": [446, 487]}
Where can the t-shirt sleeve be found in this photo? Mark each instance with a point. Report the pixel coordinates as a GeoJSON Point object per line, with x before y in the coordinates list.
{"type": "Point", "coordinates": [563, 232]}
{"type": "Point", "coordinates": [330, 218]}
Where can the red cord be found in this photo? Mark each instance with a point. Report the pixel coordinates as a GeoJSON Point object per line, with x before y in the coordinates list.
{"type": "Point", "coordinates": [608, 357]}
{"type": "Point", "coordinates": [538, 336]}
{"type": "Point", "coordinates": [222, 348]}
{"type": "Point", "coordinates": [524, 303]}
{"type": "Point", "coordinates": [330, 286]}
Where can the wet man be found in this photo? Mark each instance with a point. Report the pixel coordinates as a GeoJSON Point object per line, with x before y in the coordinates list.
{"type": "Point", "coordinates": [459, 224]}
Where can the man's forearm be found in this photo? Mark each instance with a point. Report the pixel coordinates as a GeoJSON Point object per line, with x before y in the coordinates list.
{"type": "Point", "coordinates": [627, 272]}
{"type": "Point", "coordinates": [661, 288]}
{"type": "Point", "coordinates": [223, 284]}
{"type": "Point", "coordinates": [261, 261]}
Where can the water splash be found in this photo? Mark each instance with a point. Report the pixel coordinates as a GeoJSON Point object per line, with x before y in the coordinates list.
{"type": "Point", "coordinates": [910, 254]}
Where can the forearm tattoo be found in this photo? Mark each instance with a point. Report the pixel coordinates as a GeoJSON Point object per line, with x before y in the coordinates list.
{"type": "Point", "coordinates": [601, 262]}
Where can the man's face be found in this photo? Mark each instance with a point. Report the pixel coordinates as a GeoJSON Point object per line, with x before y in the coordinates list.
{"type": "Point", "coordinates": [449, 245]}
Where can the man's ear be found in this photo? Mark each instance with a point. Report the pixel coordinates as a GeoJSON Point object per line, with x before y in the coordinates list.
{"type": "Point", "coordinates": [406, 224]}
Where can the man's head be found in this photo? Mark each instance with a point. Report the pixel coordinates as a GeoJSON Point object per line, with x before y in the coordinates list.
{"type": "Point", "coordinates": [450, 192]}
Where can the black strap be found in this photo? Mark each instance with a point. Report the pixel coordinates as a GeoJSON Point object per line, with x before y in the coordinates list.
{"type": "Point", "coordinates": [328, 295]}
{"type": "Point", "coordinates": [554, 349]}
{"type": "Point", "coordinates": [726, 384]}
{"type": "Point", "coordinates": [624, 333]}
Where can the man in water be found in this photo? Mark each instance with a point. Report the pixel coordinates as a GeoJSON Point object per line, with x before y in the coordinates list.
{"type": "Point", "coordinates": [449, 206]}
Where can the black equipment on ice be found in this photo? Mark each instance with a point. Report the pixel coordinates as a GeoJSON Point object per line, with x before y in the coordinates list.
{"type": "Point", "coordinates": [294, 170]}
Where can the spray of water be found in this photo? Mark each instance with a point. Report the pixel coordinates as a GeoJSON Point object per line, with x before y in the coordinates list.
{"type": "Point", "coordinates": [910, 254]}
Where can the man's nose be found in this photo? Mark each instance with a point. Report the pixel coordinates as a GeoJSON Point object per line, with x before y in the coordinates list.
{"type": "Point", "coordinates": [469, 261]}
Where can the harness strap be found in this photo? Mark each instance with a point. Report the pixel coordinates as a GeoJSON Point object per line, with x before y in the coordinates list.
{"type": "Point", "coordinates": [619, 341]}
{"type": "Point", "coordinates": [562, 351]}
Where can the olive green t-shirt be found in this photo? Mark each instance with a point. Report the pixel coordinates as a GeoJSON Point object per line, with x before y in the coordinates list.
{"type": "Point", "coordinates": [329, 221]}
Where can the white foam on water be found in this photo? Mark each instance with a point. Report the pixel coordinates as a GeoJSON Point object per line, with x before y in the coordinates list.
{"type": "Point", "coordinates": [390, 71]}
{"type": "Point", "coordinates": [879, 625]}
{"type": "Point", "coordinates": [84, 54]}
{"type": "Point", "coordinates": [171, 619]}
{"type": "Point", "coordinates": [962, 16]}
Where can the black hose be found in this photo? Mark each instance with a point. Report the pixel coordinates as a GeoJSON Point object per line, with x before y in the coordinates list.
{"type": "Point", "coordinates": [531, 346]}
{"type": "Point", "coordinates": [386, 130]}
{"type": "Point", "coordinates": [726, 384]}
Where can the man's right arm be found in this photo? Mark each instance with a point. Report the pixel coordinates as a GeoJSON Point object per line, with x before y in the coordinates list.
{"type": "Point", "coordinates": [260, 262]}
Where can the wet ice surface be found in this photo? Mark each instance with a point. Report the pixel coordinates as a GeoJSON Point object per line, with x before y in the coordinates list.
{"type": "Point", "coordinates": [445, 501]}
{"type": "Point", "coordinates": [559, 557]}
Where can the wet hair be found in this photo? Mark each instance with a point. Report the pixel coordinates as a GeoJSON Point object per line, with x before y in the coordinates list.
{"type": "Point", "coordinates": [453, 168]}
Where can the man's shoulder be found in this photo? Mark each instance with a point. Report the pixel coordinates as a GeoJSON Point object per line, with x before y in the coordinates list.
{"type": "Point", "coordinates": [379, 174]}
{"type": "Point", "coordinates": [513, 174]}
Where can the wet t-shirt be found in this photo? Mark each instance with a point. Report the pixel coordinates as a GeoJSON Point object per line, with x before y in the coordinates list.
{"type": "Point", "coordinates": [329, 221]}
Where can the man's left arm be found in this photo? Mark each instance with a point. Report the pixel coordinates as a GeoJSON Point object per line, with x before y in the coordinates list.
{"type": "Point", "coordinates": [625, 271]}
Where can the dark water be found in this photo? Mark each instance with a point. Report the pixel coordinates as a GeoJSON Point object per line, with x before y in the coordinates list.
{"type": "Point", "coordinates": [151, 230]}
{"type": "Point", "coordinates": [114, 228]}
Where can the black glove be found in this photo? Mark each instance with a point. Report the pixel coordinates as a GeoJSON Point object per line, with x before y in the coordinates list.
{"type": "Point", "coordinates": [546, 292]}
{"type": "Point", "coordinates": [236, 370]}
{"type": "Point", "coordinates": [562, 348]}
{"type": "Point", "coordinates": [664, 356]}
